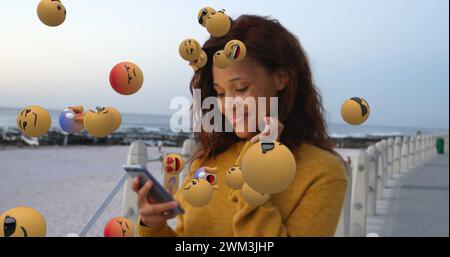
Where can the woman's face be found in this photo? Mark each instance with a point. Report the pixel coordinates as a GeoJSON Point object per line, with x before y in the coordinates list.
{"type": "Point", "coordinates": [246, 79]}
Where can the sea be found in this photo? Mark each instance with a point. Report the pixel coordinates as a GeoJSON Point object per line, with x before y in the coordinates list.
{"type": "Point", "coordinates": [161, 123]}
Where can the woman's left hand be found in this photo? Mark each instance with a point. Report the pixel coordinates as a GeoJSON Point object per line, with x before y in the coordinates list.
{"type": "Point", "coordinates": [272, 130]}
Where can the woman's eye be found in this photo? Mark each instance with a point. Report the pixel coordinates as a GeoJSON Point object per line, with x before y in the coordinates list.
{"type": "Point", "coordinates": [220, 94]}
{"type": "Point", "coordinates": [241, 90]}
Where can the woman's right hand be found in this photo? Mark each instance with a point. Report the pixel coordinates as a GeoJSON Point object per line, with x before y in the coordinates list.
{"type": "Point", "coordinates": [151, 214]}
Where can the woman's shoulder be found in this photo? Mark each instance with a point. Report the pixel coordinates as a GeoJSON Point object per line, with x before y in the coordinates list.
{"type": "Point", "coordinates": [319, 164]}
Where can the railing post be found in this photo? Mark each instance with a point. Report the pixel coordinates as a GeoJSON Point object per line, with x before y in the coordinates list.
{"type": "Point", "coordinates": [405, 154]}
{"type": "Point", "coordinates": [358, 211]}
{"type": "Point", "coordinates": [397, 154]}
{"type": "Point", "coordinates": [380, 175]}
{"type": "Point", "coordinates": [137, 154]}
{"type": "Point", "coordinates": [412, 151]}
{"type": "Point", "coordinates": [384, 153]}
{"type": "Point", "coordinates": [432, 146]}
{"type": "Point", "coordinates": [425, 148]}
{"type": "Point", "coordinates": [372, 170]}
{"type": "Point", "coordinates": [390, 158]}
{"type": "Point", "coordinates": [418, 150]}
{"type": "Point", "coordinates": [446, 144]}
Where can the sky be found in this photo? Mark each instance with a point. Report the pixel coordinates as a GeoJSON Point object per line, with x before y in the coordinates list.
{"type": "Point", "coordinates": [395, 54]}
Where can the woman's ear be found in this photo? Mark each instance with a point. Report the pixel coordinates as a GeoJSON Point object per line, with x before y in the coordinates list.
{"type": "Point", "coordinates": [281, 79]}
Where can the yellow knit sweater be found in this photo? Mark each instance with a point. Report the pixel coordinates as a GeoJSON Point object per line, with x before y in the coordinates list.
{"type": "Point", "coordinates": [310, 206]}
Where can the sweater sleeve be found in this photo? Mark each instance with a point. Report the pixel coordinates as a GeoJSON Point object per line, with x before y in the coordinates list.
{"type": "Point", "coordinates": [316, 214]}
{"type": "Point", "coordinates": [163, 229]}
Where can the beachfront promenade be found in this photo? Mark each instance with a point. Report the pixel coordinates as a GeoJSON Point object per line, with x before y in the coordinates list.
{"type": "Point", "coordinates": [416, 203]}
{"type": "Point", "coordinates": [399, 187]}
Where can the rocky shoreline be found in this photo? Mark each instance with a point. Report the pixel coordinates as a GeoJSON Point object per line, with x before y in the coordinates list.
{"type": "Point", "coordinates": [12, 137]}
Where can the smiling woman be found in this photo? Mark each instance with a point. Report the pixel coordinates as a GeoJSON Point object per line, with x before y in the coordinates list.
{"type": "Point", "coordinates": [275, 66]}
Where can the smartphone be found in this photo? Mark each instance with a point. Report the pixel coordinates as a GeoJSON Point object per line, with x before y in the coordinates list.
{"type": "Point", "coordinates": [157, 193]}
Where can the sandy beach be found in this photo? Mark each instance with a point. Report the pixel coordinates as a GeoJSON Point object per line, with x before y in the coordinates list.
{"type": "Point", "coordinates": [67, 185]}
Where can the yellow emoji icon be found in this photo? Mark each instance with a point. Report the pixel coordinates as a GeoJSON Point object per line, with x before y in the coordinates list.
{"type": "Point", "coordinates": [203, 14]}
{"type": "Point", "coordinates": [268, 167]}
{"type": "Point", "coordinates": [218, 23]}
{"type": "Point", "coordinates": [51, 12]}
{"type": "Point", "coordinates": [235, 50]}
{"type": "Point", "coordinates": [117, 117]}
{"type": "Point", "coordinates": [355, 111]}
{"type": "Point", "coordinates": [252, 197]}
{"type": "Point", "coordinates": [100, 123]}
{"type": "Point", "coordinates": [198, 192]}
{"type": "Point", "coordinates": [34, 121]}
{"type": "Point", "coordinates": [22, 222]}
{"type": "Point", "coordinates": [220, 60]}
{"type": "Point", "coordinates": [173, 163]}
{"type": "Point", "coordinates": [200, 62]}
{"type": "Point", "coordinates": [234, 178]}
{"type": "Point", "coordinates": [189, 49]}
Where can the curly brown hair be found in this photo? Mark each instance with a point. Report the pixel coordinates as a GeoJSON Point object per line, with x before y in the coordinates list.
{"type": "Point", "coordinates": [300, 103]}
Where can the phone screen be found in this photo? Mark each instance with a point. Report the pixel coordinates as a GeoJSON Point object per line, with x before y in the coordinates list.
{"type": "Point", "coordinates": [157, 193]}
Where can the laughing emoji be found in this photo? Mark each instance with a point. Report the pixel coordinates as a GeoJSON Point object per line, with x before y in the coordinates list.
{"type": "Point", "coordinates": [235, 50]}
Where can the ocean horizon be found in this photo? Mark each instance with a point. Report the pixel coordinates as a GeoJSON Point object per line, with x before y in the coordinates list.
{"type": "Point", "coordinates": [161, 122]}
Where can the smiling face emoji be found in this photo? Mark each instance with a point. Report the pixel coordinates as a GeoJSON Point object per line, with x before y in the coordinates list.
{"type": "Point", "coordinates": [268, 167]}
{"type": "Point", "coordinates": [119, 227]}
{"type": "Point", "coordinates": [51, 12]}
{"type": "Point", "coordinates": [126, 78]}
{"type": "Point", "coordinates": [200, 62]}
{"type": "Point", "coordinates": [355, 111]}
{"type": "Point", "coordinates": [235, 50]}
{"type": "Point", "coordinates": [234, 178]}
{"type": "Point", "coordinates": [22, 222]}
{"type": "Point", "coordinates": [203, 14]}
{"type": "Point", "coordinates": [198, 192]}
{"type": "Point", "coordinates": [221, 60]}
{"type": "Point", "coordinates": [173, 163]}
{"type": "Point", "coordinates": [100, 123]}
{"type": "Point", "coordinates": [218, 24]}
{"type": "Point", "coordinates": [189, 49]}
{"type": "Point", "coordinates": [33, 121]}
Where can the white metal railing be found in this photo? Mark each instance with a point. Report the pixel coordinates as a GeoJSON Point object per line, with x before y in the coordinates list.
{"type": "Point", "coordinates": [368, 175]}
{"type": "Point", "coordinates": [375, 166]}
